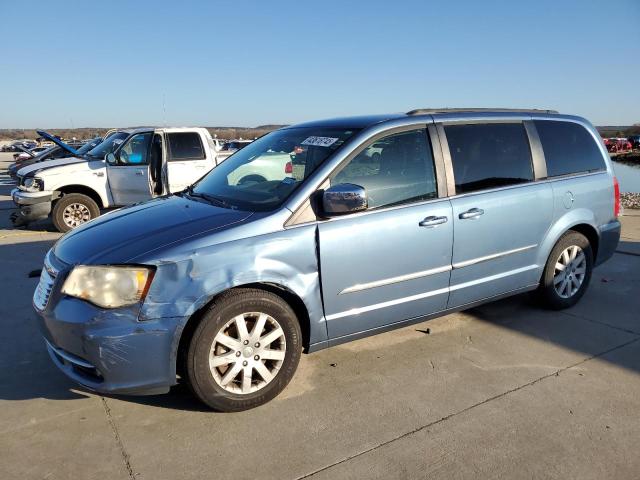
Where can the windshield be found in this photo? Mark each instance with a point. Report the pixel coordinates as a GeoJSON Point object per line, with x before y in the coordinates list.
{"type": "Point", "coordinates": [91, 144]}
{"type": "Point", "coordinates": [108, 146]}
{"type": "Point", "coordinates": [263, 174]}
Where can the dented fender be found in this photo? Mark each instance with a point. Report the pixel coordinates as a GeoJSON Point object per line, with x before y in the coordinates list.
{"type": "Point", "coordinates": [183, 284]}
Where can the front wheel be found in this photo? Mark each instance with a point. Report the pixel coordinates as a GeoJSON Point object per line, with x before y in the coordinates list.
{"type": "Point", "coordinates": [72, 210]}
{"type": "Point", "coordinates": [567, 272]}
{"type": "Point", "coordinates": [245, 350]}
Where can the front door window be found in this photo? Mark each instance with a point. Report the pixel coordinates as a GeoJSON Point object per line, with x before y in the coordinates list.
{"type": "Point", "coordinates": [394, 170]}
{"type": "Point", "coordinates": [135, 151]}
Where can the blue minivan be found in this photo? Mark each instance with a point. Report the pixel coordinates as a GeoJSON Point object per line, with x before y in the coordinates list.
{"type": "Point", "coordinates": [376, 222]}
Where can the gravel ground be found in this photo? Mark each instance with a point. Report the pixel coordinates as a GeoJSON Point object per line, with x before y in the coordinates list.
{"type": "Point", "coordinates": [630, 200]}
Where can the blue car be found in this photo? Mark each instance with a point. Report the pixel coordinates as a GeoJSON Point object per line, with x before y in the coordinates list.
{"type": "Point", "coordinates": [381, 221]}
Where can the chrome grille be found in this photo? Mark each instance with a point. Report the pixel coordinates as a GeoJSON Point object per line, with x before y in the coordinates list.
{"type": "Point", "coordinates": [45, 286]}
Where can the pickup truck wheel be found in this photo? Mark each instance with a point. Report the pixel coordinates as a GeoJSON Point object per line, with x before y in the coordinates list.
{"type": "Point", "coordinates": [245, 350]}
{"type": "Point", "coordinates": [567, 272]}
{"type": "Point", "coordinates": [72, 210]}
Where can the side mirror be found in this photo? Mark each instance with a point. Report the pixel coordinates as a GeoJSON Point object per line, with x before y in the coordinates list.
{"type": "Point", "coordinates": [111, 159]}
{"type": "Point", "coordinates": [344, 198]}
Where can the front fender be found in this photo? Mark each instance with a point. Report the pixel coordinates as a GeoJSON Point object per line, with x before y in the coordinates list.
{"type": "Point", "coordinates": [287, 258]}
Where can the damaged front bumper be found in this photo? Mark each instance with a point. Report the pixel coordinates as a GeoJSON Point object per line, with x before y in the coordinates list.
{"type": "Point", "coordinates": [33, 206]}
{"type": "Point", "coordinates": [110, 351]}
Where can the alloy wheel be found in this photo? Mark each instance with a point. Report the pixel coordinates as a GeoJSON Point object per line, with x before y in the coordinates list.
{"type": "Point", "coordinates": [76, 214]}
{"type": "Point", "coordinates": [247, 353]}
{"type": "Point", "coordinates": [569, 271]}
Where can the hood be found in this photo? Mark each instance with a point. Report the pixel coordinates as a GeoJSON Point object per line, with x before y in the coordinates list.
{"type": "Point", "coordinates": [57, 141]}
{"type": "Point", "coordinates": [121, 236]}
{"type": "Point", "coordinates": [35, 167]}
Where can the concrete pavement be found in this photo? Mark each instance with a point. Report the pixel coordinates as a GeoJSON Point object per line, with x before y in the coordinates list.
{"type": "Point", "coordinates": [504, 390]}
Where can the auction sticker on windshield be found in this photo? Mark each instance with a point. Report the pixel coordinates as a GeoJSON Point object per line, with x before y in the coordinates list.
{"type": "Point", "coordinates": [319, 141]}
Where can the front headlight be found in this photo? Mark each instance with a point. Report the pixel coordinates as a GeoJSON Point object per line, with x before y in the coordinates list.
{"type": "Point", "coordinates": [33, 184]}
{"type": "Point", "coordinates": [109, 287]}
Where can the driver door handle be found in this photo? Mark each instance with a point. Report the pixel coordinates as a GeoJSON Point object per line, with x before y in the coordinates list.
{"type": "Point", "coordinates": [432, 221]}
{"type": "Point", "coordinates": [472, 213]}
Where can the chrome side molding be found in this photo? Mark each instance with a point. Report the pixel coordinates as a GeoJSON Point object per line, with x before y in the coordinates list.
{"type": "Point", "coordinates": [493, 256]}
{"type": "Point", "coordinates": [401, 278]}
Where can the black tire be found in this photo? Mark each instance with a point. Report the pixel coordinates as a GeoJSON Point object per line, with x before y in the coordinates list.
{"type": "Point", "coordinates": [225, 308]}
{"type": "Point", "coordinates": [547, 293]}
{"type": "Point", "coordinates": [57, 215]}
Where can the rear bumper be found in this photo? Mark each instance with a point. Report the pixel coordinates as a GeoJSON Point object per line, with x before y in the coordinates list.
{"type": "Point", "coordinates": [609, 238]}
{"type": "Point", "coordinates": [110, 351]}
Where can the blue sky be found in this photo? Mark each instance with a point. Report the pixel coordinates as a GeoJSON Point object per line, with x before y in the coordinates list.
{"type": "Point", "coordinates": [250, 63]}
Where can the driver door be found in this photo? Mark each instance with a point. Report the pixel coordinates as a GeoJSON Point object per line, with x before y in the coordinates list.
{"type": "Point", "coordinates": [129, 175]}
{"type": "Point", "coordinates": [392, 262]}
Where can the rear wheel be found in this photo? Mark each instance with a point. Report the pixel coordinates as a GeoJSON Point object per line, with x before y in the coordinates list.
{"type": "Point", "coordinates": [567, 272]}
{"type": "Point", "coordinates": [245, 350]}
{"type": "Point", "coordinates": [72, 210]}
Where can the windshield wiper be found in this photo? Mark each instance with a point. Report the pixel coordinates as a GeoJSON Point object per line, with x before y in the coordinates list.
{"type": "Point", "coordinates": [208, 197]}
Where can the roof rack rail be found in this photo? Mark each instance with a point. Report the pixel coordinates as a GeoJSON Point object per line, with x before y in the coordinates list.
{"type": "Point", "coordinates": [427, 111]}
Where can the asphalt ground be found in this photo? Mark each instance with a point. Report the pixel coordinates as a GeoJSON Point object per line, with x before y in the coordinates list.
{"type": "Point", "coordinates": [506, 390]}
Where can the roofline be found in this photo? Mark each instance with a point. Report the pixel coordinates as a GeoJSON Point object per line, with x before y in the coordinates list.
{"type": "Point", "coordinates": [431, 111]}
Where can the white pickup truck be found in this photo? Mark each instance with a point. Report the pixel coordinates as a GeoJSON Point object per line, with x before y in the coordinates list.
{"type": "Point", "coordinates": [136, 165]}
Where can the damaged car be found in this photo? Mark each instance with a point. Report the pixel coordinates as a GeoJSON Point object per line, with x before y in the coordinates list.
{"type": "Point", "coordinates": [223, 284]}
{"type": "Point", "coordinates": [51, 153]}
{"type": "Point", "coordinates": [130, 166]}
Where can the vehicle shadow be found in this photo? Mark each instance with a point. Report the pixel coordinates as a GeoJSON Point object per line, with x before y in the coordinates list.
{"type": "Point", "coordinates": [610, 305]}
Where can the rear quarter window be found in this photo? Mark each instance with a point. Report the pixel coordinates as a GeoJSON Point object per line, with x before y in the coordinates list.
{"type": "Point", "coordinates": [185, 146]}
{"type": "Point", "coordinates": [568, 148]}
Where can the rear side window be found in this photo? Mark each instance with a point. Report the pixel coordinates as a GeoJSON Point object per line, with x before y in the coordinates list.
{"type": "Point", "coordinates": [568, 148]}
{"type": "Point", "coordinates": [489, 155]}
{"type": "Point", "coordinates": [185, 146]}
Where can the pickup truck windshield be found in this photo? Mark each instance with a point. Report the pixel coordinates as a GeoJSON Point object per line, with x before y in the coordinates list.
{"type": "Point", "coordinates": [262, 175]}
{"type": "Point", "coordinates": [108, 146]}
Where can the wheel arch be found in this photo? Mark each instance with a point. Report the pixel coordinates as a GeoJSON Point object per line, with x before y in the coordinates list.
{"type": "Point", "coordinates": [581, 221]}
{"type": "Point", "coordinates": [285, 293]}
{"type": "Point", "coordinates": [592, 235]}
{"type": "Point", "coordinates": [83, 190]}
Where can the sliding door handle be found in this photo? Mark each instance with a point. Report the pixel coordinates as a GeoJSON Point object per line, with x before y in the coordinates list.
{"type": "Point", "coordinates": [432, 221]}
{"type": "Point", "coordinates": [473, 213]}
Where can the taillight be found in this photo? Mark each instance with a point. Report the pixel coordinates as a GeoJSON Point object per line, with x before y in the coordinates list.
{"type": "Point", "coordinates": [288, 167]}
{"type": "Point", "coordinates": [616, 197]}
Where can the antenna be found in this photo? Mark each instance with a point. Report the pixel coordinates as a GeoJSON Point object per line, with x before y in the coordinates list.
{"type": "Point", "coordinates": [164, 110]}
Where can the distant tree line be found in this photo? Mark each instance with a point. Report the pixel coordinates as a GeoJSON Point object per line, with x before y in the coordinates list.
{"type": "Point", "coordinates": [227, 133]}
{"type": "Point", "coordinates": [231, 133]}
{"type": "Point", "coordinates": [608, 132]}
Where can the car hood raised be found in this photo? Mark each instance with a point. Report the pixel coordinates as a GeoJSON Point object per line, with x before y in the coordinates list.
{"type": "Point", "coordinates": [122, 235]}
{"type": "Point", "coordinates": [57, 141]}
